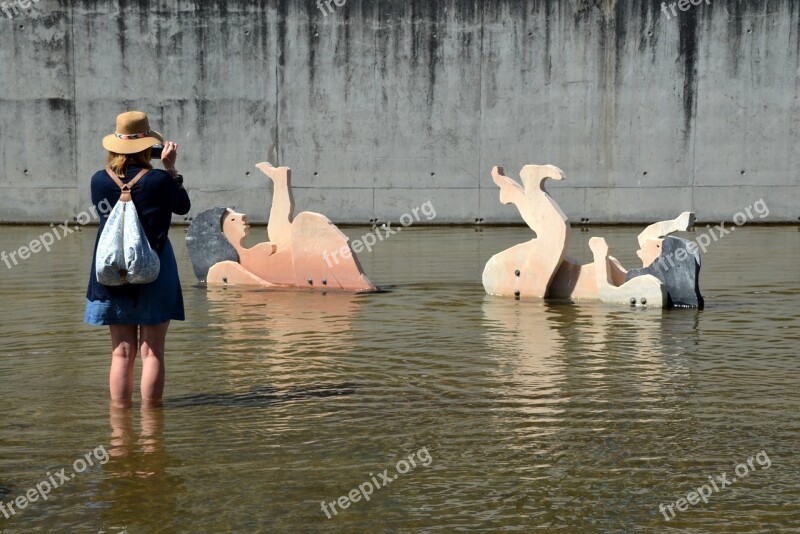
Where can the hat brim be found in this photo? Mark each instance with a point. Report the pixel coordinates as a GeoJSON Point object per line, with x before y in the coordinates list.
{"type": "Point", "coordinates": [112, 143]}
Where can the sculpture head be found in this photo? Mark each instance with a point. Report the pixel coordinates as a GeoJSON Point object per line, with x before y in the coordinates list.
{"type": "Point", "coordinates": [207, 243]}
{"type": "Point", "coordinates": [235, 227]}
{"type": "Point", "coordinates": [650, 251]}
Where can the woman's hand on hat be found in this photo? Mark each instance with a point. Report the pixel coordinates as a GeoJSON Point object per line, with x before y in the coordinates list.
{"type": "Point", "coordinates": [169, 155]}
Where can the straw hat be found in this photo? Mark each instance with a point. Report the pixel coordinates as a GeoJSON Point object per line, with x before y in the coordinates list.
{"type": "Point", "coordinates": [132, 135]}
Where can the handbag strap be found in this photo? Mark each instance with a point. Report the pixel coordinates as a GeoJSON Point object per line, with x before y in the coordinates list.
{"type": "Point", "coordinates": [125, 196]}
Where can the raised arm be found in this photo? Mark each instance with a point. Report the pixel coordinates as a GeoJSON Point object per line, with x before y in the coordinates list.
{"type": "Point", "coordinates": [281, 213]}
{"type": "Point", "coordinates": [662, 229]}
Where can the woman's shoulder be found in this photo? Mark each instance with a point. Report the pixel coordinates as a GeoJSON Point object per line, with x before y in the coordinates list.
{"type": "Point", "coordinates": [158, 172]}
{"type": "Point", "coordinates": [158, 175]}
{"type": "Point", "coordinates": [152, 178]}
{"type": "Point", "coordinates": [100, 175]}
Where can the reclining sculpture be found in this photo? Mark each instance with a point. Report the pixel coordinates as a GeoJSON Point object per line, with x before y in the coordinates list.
{"type": "Point", "coordinates": [293, 256]}
{"type": "Point", "coordinates": [539, 268]}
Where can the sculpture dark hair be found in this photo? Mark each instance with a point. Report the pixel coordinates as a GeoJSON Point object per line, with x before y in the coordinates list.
{"type": "Point", "coordinates": [207, 243]}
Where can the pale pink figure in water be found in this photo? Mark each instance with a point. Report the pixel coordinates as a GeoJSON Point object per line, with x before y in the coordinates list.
{"type": "Point", "coordinates": [295, 255]}
{"type": "Point", "coordinates": [539, 268]}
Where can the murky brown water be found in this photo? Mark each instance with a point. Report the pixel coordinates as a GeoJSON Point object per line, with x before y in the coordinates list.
{"type": "Point", "coordinates": [536, 416]}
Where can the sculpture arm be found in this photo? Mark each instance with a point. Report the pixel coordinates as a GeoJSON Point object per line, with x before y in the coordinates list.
{"type": "Point", "coordinates": [232, 273]}
{"type": "Point", "coordinates": [661, 229]}
{"type": "Point", "coordinates": [281, 213]}
{"type": "Point", "coordinates": [266, 249]}
{"type": "Point", "coordinates": [641, 290]}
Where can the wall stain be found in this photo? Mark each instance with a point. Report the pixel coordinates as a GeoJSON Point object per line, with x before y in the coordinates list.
{"type": "Point", "coordinates": [433, 46]}
{"type": "Point", "coordinates": [312, 34]}
{"type": "Point", "coordinates": [348, 43]}
{"type": "Point", "coordinates": [281, 21]}
{"type": "Point", "coordinates": [689, 56]}
{"type": "Point", "coordinates": [121, 29]}
{"type": "Point", "coordinates": [735, 26]}
{"type": "Point", "coordinates": [548, 54]}
{"type": "Point", "coordinates": [609, 70]}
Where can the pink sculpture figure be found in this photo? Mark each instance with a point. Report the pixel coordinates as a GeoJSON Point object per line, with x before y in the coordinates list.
{"type": "Point", "coordinates": [579, 281]}
{"type": "Point", "coordinates": [298, 253]}
{"type": "Point", "coordinates": [539, 268]}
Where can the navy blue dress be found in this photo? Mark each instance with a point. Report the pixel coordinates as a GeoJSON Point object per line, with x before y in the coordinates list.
{"type": "Point", "coordinates": [156, 197]}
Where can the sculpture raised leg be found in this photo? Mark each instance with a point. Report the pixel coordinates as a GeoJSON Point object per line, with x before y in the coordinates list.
{"type": "Point", "coordinates": [527, 269]}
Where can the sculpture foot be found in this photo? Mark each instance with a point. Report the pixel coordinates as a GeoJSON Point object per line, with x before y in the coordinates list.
{"type": "Point", "coordinates": [510, 190]}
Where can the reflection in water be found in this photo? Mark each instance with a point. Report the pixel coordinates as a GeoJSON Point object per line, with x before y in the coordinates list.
{"type": "Point", "coordinates": [537, 341]}
{"type": "Point", "coordinates": [529, 345]}
{"type": "Point", "coordinates": [301, 332]}
{"type": "Point", "coordinates": [303, 337]}
{"type": "Point", "coordinates": [603, 333]}
{"type": "Point", "coordinates": [606, 369]}
{"type": "Point", "coordinates": [277, 315]}
{"type": "Point", "coordinates": [140, 481]}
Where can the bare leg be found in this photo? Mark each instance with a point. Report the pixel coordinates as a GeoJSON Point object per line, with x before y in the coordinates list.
{"type": "Point", "coordinates": [123, 356]}
{"type": "Point", "coordinates": [153, 339]}
{"type": "Point", "coordinates": [538, 210]}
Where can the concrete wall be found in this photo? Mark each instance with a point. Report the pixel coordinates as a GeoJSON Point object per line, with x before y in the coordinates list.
{"type": "Point", "coordinates": [381, 106]}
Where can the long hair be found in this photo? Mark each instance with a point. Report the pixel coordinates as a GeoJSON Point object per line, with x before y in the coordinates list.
{"type": "Point", "coordinates": [207, 243]}
{"type": "Point", "coordinates": [120, 162]}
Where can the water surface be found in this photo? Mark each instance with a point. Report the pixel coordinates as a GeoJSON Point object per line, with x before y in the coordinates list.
{"type": "Point", "coordinates": [552, 417]}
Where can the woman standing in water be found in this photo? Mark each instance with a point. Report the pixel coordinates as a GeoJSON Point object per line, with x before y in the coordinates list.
{"type": "Point", "coordinates": [138, 315]}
